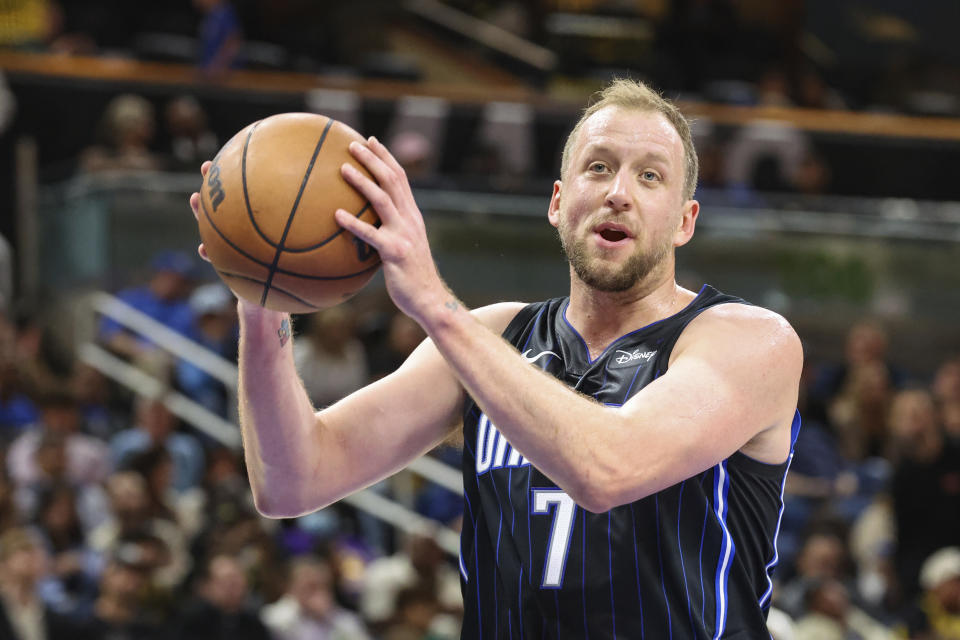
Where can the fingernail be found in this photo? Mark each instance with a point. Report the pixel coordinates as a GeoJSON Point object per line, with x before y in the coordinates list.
{"type": "Point", "coordinates": [373, 140]}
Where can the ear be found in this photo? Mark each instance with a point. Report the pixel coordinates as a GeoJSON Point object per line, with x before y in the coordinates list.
{"type": "Point", "coordinates": [553, 211]}
{"type": "Point", "coordinates": [688, 221]}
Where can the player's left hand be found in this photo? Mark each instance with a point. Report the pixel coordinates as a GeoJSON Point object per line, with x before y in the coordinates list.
{"type": "Point", "coordinates": [411, 275]}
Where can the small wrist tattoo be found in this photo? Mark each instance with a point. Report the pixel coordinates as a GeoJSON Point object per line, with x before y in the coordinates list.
{"type": "Point", "coordinates": [453, 305]}
{"type": "Point", "coordinates": [284, 331]}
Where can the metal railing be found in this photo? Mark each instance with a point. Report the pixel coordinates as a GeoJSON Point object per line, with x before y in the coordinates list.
{"type": "Point", "coordinates": [226, 431]}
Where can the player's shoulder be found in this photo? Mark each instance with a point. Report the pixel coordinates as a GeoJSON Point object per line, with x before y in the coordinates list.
{"type": "Point", "coordinates": [496, 317]}
{"type": "Point", "coordinates": [746, 328]}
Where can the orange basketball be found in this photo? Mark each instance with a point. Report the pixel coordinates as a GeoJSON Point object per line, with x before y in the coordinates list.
{"type": "Point", "coordinates": [266, 214]}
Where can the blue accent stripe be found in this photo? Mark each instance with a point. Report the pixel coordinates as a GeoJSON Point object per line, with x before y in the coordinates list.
{"type": "Point", "coordinates": [476, 568]}
{"type": "Point", "coordinates": [583, 572]}
{"type": "Point", "coordinates": [636, 562]}
{"type": "Point", "coordinates": [666, 601]}
{"type": "Point", "coordinates": [768, 570]}
{"type": "Point", "coordinates": [613, 604]}
{"type": "Point", "coordinates": [536, 321]}
{"type": "Point", "coordinates": [683, 569]}
{"type": "Point", "coordinates": [520, 600]}
{"type": "Point", "coordinates": [794, 432]}
{"type": "Point", "coordinates": [529, 532]}
{"type": "Point", "coordinates": [721, 487]}
{"type": "Point", "coordinates": [703, 534]}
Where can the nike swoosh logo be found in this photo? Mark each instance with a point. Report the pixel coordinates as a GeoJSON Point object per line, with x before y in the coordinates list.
{"type": "Point", "coordinates": [526, 355]}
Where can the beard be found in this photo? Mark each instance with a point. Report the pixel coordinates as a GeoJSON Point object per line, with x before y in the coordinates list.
{"type": "Point", "coordinates": [610, 279]}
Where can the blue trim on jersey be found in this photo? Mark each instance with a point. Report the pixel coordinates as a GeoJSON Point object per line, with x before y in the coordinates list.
{"type": "Point", "coordinates": [563, 313]}
{"type": "Point", "coordinates": [529, 533]}
{"type": "Point", "coordinates": [727, 550]}
{"type": "Point", "coordinates": [476, 567]}
{"type": "Point", "coordinates": [533, 329]}
{"type": "Point", "coordinates": [768, 570]}
{"type": "Point", "coordinates": [463, 569]}
{"type": "Point", "coordinates": [683, 568]}
{"type": "Point", "coordinates": [636, 562]}
{"type": "Point", "coordinates": [663, 585]}
{"type": "Point", "coordinates": [520, 599]}
{"type": "Point", "coordinates": [613, 604]}
{"type": "Point", "coordinates": [583, 573]}
{"type": "Point", "coordinates": [703, 534]}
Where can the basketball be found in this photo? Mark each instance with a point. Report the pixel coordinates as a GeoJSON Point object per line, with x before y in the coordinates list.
{"type": "Point", "coordinates": [266, 214]}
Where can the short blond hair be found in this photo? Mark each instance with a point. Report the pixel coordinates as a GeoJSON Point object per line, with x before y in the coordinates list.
{"type": "Point", "coordinates": [633, 94]}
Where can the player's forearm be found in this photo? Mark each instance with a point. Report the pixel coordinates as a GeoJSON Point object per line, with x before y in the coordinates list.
{"type": "Point", "coordinates": [554, 427]}
{"type": "Point", "coordinates": [277, 420]}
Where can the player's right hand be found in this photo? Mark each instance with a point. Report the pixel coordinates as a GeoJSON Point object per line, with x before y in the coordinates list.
{"type": "Point", "coordinates": [195, 205]}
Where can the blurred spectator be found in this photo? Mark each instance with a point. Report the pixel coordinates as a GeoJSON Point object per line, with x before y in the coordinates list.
{"type": "Point", "coordinates": [927, 472]}
{"type": "Point", "coordinates": [87, 459]}
{"type": "Point", "coordinates": [11, 515]}
{"type": "Point", "coordinates": [126, 130]}
{"type": "Point", "coordinates": [222, 610]}
{"type": "Point", "coordinates": [936, 614]}
{"type": "Point", "coordinates": [191, 140]}
{"type": "Point", "coordinates": [417, 607]}
{"type": "Point", "coordinates": [308, 610]}
{"type": "Point", "coordinates": [155, 426]}
{"type": "Point", "coordinates": [42, 363]}
{"type": "Point", "coordinates": [813, 92]}
{"type": "Point", "coordinates": [773, 88]}
{"type": "Point", "coordinates": [832, 617]}
{"type": "Point", "coordinates": [423, 565]}
{"type": "Point", "coordinates": [163, 298]}
{"type": "Point", "coordinates": [74, 567]}
{"type": "Point", "coordinates": [17, 408]}
{"type": "Point", "coordinates": [101, 411]}
{"type": "Point", "coordinates": [859, 412]}
{"type": "Point", "coordinates": [158, 542]}
{"type": "Point", "coordinates": [329, 356]}
{"type": "Point", "coordinates": [780, 625]}
{"type": "Point", "coordinates": [823, 555]}
{"type": "Point", "coordinates": [415, 154]}
{"type": "Point", "coordinates": [183, 507]}
{"type": "Point", "coordinates": [221, 37]}
{"type": "Point", "coordinates": [812, 176]}
{"type": "Point", "coordinates": [23, 615]}
{"type": "Point", "coordinates": [866, 342]}
{"type": "Point", "coordinates": [403, 335]}
{"type": "Point", "coordinates": [216, 328]}
{"type": "Point", "coordinates": [118, 613]}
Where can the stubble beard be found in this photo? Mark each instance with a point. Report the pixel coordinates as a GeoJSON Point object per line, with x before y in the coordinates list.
{"type": "Point", "coordinates": [637, 267]}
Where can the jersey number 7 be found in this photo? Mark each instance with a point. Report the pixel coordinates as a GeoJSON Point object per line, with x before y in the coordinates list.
{"type": "Point", "coordinates": [563, 516]}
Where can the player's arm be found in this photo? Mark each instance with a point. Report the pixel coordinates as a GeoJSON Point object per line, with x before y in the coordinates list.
{"type": "Point", "coordinates": [732, 385]}
{"type": "Point", "coordinates": [299, 460]}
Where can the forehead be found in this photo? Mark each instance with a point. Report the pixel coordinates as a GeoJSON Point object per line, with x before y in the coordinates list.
{"type": "Point", "coordinates": [627, 128]}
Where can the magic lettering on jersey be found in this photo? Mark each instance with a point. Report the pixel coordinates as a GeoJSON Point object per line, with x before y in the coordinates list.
{"type": "Point", "coordinates": [492, 449]}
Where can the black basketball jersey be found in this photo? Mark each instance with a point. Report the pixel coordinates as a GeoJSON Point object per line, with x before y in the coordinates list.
{"type": "Point", "coordinates": [691, 561]}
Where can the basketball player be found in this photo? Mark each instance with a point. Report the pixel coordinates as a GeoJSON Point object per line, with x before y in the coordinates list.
{"type": "Point", "coordinates": [625, 446]}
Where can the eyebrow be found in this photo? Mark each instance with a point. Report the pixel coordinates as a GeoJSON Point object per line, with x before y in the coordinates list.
{"type": "Point", "coordinates": [654, 156]}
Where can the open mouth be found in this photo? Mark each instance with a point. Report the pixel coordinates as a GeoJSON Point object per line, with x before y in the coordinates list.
{"type": "Point", "coordinates": [612, 235]}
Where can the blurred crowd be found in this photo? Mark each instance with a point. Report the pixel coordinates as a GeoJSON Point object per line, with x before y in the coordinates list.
{"type": "Point", "coordinates": [119, 520]}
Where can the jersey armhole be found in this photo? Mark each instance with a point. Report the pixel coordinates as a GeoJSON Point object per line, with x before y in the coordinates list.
{"type": "Point", "coordinates": [522, 319]}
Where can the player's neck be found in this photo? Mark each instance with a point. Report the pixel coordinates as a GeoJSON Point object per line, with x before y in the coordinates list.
{"type": "Point", "coordinates": [601, 317]}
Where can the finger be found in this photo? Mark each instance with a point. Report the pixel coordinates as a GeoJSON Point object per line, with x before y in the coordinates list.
{"type": "Point", "coordinates": [195, 204]}
{"type": "Point", "coordinates": [202, 250]}
{"type": "Point", "coordinates": [205, 167]}
{"type": "Point", "coordinates": [363, 230]}
{"type": "Point", "coordinates": [381, 201]}
{"type": "Point", "coordinates": [380, 150]}
{"type": "Point", "coordinates": [387, 177]}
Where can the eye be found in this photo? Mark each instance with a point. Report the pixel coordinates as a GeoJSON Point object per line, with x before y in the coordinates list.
{"type": "Point", "coordinates": [650, 175]}
{"type": "Point", "coordinates": [597, 167]}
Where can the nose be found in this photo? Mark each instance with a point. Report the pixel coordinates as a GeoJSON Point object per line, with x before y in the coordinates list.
{"type": "Point", "coordinates": [618, 193]}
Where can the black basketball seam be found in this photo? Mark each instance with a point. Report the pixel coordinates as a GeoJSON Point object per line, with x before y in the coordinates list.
{"type": "Point", "coordinates": [329, 238]}
{"type": "Point", "coordinates": [243, 181]}
{"type": "Point", "coordinates": [293, 212]}
{"type": "Point", "coordinates": [285, 272]}
{"type": "Point", "coordinates": [240, 276]}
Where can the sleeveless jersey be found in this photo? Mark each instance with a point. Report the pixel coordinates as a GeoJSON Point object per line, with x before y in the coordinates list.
{"type": "Point", "coordinates": [691, 561]}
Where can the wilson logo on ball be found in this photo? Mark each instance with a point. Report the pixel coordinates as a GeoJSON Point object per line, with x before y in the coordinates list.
{"type": "Point", "coordinates": [214, 187]}
{"type": "Point", "coordinates": [364, 250]}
